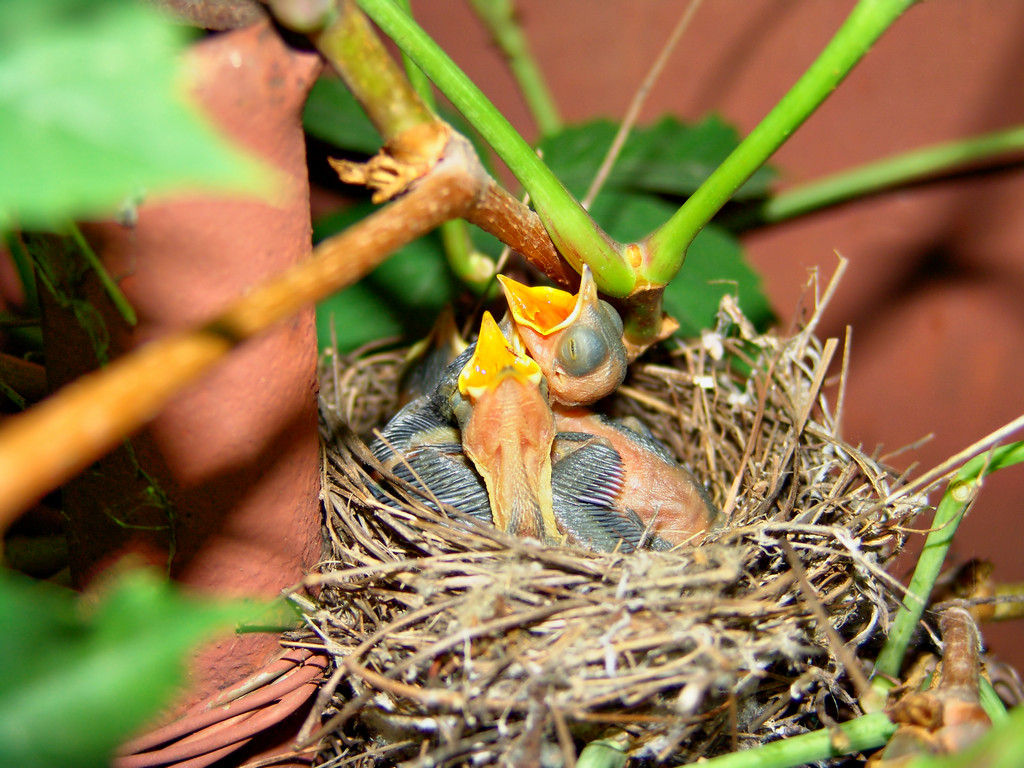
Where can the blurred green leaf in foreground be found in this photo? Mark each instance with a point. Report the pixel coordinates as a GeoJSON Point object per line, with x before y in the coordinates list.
{"type": "Point", "coordinates": [78, 678]}
{"type": "Point", "coordinates": [94, 113]}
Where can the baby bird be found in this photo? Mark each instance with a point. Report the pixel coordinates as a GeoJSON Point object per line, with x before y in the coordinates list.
{"type": "Point", "coordinates": [508, 430]}
{"type": "Point", "coordinates": [656, 489]}
{"type": "Point", "coordinates": [485, 440]}
{"type": "Point", "coordinates": [575, 340]}
{"type": "Point", "coordinates": [422, 446]}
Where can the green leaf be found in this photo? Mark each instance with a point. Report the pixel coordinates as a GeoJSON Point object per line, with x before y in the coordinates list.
{"type": "Point", "coordinates": [667, 157]}
{"type": "Point", "coordinates": [332, 114]}
{"type": "Point", "coordinates": [93, 113]}
{"type": "Point", "coordinates": [714, 265]}
{"type": "Point", "coordinates": [402, 297]}
{"type": "Point", "coordinates": [77, 682]}
{"type": "Point", "coordinates": [575, 154]}
{"type": "Point", "coordinates": [671, 157]}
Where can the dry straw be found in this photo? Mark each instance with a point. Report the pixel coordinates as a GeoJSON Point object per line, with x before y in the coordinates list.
{"type": "Point", "coordinates": [455, 644]}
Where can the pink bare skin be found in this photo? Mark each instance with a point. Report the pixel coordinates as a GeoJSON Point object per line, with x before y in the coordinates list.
{"type": "Point", "coordinates": [655, 489]}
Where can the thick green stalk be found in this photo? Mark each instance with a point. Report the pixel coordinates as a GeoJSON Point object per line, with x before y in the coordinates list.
{"type": "Point", "coordinates": [117, 298]}
{"type": "Point", "coordinates": [890, 172]}
{"type": "Point", "coordinates": [574, 233]}
{"type": "Point", "coordinates": [666, 247]}
{"type": "Point", "coordinates": [948, 515]}
{"type": "Point", "coordinates": [499, 16]}
{"type": "Point", "coordinates": [375, 79]}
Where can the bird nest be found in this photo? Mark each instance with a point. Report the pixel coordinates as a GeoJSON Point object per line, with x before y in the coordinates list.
{"type": "Point", "coordinates": [457, 644]}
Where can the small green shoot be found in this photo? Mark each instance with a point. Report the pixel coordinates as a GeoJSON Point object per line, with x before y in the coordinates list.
{"type": "Point", "coordinates": [959, 494]}
{"type": "Point", "coordinates": [891, 172]}
{"type": "Point", "coordinates": [603, 753]}
{"type": "Point", "coordinates": [501, 20]}
{"type": "Point", "coordinates": [867, 732]}
{"type": "Point", "coordinates": [117, 298]}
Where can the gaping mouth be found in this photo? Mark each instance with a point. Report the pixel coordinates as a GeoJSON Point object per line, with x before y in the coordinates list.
{"type": "Point", "coordinates": [575, 339]}
{"type": "Point", "coordinates": [548, 310]}
{"type": "Point", "coordinates": [495, 359]}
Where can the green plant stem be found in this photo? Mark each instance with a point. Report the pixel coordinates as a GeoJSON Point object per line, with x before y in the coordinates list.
{"type": "Point", "coordinates": [947, 518]}
{"type": "Point", "coordinates": [572, 230]}
{"type": "Point", "coordinates": [948, 514]}
{"type": "Point", "coordinates": [666, 247]}
{"type": "Point", "coordinates": [470, 265]}
{"type": "Point", "coordinates": [990, 702]}
{"type": "Point", "coordinates": [374, 78]}
{"type": "Point", "coordinates": [865, 732]}
{"type": "Point", "coordinates": [26, 274]}
{"type": "Point", "coordinates": [890, 172]}
{"type": "Point", "coordinates": [417, 79]}
{"type": "Point", "coordinates": [499, 16]}
{"type": "Point", "coordinates": [117, 298]}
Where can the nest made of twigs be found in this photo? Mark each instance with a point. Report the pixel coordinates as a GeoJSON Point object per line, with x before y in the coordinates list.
{"type": "Point", "coordinates": [456, 644]}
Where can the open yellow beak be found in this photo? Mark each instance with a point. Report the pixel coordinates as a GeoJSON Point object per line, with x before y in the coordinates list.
{"type": "Point", "coordinates": [494, 359]}
{"type": "Point", "coordinates": [548, 310]}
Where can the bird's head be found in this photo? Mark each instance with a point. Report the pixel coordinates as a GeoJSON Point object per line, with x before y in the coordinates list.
{"type": "Point", "coordinates": [575, 339]}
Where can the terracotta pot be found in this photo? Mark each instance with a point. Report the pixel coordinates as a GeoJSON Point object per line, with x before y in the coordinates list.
{"type": "Point", "coordinates": [229, 471]}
